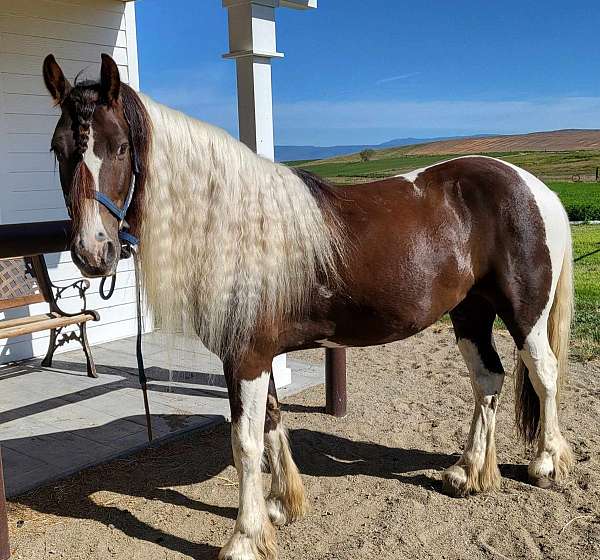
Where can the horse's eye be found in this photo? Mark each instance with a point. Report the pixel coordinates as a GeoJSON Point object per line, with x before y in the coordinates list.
{"type": "Point", "coordinates": [123, 149]}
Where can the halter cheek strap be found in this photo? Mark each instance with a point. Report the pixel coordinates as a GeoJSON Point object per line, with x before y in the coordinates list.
{"type": "Point", "coordinates": [120, 213]}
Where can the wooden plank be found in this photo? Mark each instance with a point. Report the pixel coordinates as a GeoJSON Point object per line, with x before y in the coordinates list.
{"type": "Point", "coordinates": [98, 333]}
{"type": "Point", "coordinates": [4, 542]}
{"type": "Point", "coordinates": [15, 83]}
{"type": "Point", "coordinates": [19, 163]}
{"type": "Point", "coordinates": [31, 65]}
{"type": "Point", "coordinates": [19, 182]}
{"type": "Point", "coordinates": [108, 5]}
{"type": "Point", "coordinates": [6, 323]}
{"type": "Point", "coordinates": [19, 104]}
{"type": "Point", "coordinates": [27, 143]}
{"type": "Point", "coordinates": [21, 301]}
{"type": "Point", "coordinates": [59, 11]}
{"type": "Point", "coordinates": [45, 325]}
{"type": "Point", "coordinates": [41, 201]}
{"type": "Point", "coordinates": [44, 124]}
{"type": "Point", "coordinates": [116, 314]}
{"type": "Point", "coordinates": [27, 216]}
{"type": "Point", "coordinates": [40, 46]}
{"type": "Point", "coordinates": [61, 30]}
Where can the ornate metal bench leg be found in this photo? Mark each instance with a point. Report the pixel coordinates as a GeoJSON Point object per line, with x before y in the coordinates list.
{"type": "Point", "coordinates": [91, 367]}
{"type": "Point", "coordinates": [47, 361]}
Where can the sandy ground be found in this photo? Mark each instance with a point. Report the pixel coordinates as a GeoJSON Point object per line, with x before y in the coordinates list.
{"type": "Point", "coordinates": [373, 478]}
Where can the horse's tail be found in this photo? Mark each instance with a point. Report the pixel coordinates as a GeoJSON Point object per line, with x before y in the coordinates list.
{"type": "Point", "coordinates": [527, 404]}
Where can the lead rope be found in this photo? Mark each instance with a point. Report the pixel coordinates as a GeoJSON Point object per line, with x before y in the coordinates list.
{"type": "Point", "coordinates": [131, 251]}
{"type": "Point", "coordinates": [138, 344]}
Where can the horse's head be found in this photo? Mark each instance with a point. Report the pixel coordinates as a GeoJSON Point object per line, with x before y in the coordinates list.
{"type": "Point", "coordinates": [96, 156]}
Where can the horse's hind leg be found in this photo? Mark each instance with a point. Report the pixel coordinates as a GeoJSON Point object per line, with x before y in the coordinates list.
{"type": "Point", "coordinates": [477, 469]}
{"type": "Point", "coordinates": [286, 502]}
{"type": "Point", "coordinates": [553, 459]}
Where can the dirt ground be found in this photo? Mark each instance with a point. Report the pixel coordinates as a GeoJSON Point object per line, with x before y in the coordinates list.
{"type": "Point", "coordinates": [373, 478]}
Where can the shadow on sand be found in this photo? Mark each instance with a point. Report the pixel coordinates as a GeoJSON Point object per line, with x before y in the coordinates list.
{"type": "Point", "coordinates": [203, 455]}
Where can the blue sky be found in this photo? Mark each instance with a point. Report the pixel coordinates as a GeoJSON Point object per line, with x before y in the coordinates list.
{"type": "Point", "coordinates": [353, 75]}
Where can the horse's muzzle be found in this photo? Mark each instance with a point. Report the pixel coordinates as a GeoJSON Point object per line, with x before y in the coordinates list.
{"type": "Point", "coordinates": [99, 259]}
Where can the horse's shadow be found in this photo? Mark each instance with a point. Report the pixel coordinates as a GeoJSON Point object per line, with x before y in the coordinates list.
{"type": "Point", "coordinates": [203, 455]}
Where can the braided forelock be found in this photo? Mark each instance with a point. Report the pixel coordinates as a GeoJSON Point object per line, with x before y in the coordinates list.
{"type": "Point", "coordinates": [81, 103]}
{"type": "Point", "coordinates": [83, 100]}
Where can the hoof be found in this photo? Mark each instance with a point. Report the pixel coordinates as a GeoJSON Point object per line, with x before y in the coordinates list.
{"type": "Point", "coordinates": [544, 482]}
{"type": "Point", "coordinates": [455, 482]}
{"type": "Point", "coordinates": [276, 512]}
{"type": "Point", "coordinates": [243, 547]}
{"type": "Point", "coordinates": [239, 547]}
{"type": "Point", "coordinates": [551, 468]}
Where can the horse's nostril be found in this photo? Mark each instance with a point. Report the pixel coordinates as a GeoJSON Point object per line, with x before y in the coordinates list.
{"type": "Point", "coordinates": [100, 236]}
{"type": "Point", "coordinates": [110, 252]}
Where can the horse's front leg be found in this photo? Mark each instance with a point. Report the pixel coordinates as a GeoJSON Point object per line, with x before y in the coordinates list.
{"type": "Point", "coordinates": [254, 535]}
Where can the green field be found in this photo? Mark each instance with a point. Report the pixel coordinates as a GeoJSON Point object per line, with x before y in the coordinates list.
{"type": "Point", "coordinates": [570, 174]}
{"type": "Point", "coordinates": [581, 200]}
{"type": "Point", "coordinates": [586, 329]}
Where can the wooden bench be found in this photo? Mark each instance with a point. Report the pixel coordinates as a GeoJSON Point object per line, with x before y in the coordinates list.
{"type": "Point", "coordinates": [24, 281]}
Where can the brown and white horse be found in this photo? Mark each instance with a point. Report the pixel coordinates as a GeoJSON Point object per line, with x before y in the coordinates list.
{"type": "Point", "coordinates": [259, 259]}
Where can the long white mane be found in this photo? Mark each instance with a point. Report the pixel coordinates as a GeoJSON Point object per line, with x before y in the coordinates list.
{"type": "Point", "coordinates": [228, 238]}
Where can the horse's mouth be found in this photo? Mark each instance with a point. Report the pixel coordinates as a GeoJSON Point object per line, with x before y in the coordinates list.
{"type": "Point", "coordinates": [90, 271]}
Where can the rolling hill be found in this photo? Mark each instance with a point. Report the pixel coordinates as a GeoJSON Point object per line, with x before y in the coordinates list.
{"type": "Point", "coordinates": [553, 141]}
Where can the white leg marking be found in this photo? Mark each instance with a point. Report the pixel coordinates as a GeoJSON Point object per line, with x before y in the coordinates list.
{"type": "Point", "coordinates": [477, 469]}
{"type": "Point", "coordinates": [253, 537]}
{"type": "Point", "coordinates": [286, 502]}
{"type": "Point", "coordinates": [553, 459]}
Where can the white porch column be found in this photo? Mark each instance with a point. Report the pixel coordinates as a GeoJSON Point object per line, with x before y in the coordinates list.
{"type": "Point", "coordinates": [252, 43]}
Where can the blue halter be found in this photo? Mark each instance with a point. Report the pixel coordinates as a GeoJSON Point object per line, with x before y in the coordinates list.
{"type": "Point", "coordinates": [120, 213]}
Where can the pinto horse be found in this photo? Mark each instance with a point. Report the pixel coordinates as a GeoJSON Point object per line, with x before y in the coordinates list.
{"type": "Point", "coordinates": [258, 259]}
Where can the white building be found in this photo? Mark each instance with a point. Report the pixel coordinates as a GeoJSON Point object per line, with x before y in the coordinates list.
{"type": "Point", "coordinates": [77, 32]}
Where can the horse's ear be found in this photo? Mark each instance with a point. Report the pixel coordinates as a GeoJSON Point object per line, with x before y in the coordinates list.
{"type": "Point", "coordinates": [55, 80]}
{"type": "Point", "coordinates": [110, 80]}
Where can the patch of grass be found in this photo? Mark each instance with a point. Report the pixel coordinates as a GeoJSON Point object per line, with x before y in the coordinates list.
{"type": "Point", "coordinates": [586, 328]}
{"type": "Point", "coordinates": [375, 169]}
{"type": "Point", "coordinates": [563, 166]}
{"type": "Point", "coordinates": [581, 200]}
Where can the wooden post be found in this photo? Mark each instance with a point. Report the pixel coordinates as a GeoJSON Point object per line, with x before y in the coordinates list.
{"type": "Point", "coordinates": [4, 544]}
{"type": "Point", "coordinates": [335, 381]}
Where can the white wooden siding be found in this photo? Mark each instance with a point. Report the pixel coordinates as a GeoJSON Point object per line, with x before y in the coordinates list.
{"type": "Point", "coordinates": [76, 32]}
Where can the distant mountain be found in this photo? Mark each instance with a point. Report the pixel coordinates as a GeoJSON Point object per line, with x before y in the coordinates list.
{"type": "Point", "coordinates": [295, 153]}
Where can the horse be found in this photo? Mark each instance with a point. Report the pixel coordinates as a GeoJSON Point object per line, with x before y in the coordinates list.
{"type": "Point", "coordinates": [258, 259]}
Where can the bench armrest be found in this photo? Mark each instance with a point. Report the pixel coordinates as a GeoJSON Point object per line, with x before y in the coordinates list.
{"type": "Point", "coordinates": [81, 286]}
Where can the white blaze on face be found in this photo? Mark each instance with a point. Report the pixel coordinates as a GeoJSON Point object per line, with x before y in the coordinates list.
{"type": "Point", "coordinates": [93, 219]}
